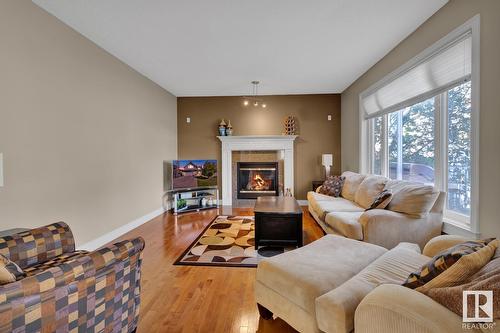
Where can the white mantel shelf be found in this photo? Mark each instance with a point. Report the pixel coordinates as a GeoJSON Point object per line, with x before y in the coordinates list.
{"type": "Point", "coordinates": [284, 144]}
{"type": "Point", "coordinates": [257, 137]}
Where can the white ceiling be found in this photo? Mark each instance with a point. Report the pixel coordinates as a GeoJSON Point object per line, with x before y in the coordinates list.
{"type": "Point", "coordinates": [216, 47]}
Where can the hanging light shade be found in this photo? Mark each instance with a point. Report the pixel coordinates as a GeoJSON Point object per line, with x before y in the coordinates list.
{"type": "Point", "coordinates": [254, 99]}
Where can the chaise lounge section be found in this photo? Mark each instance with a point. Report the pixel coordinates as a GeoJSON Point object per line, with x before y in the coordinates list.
{"type": "Point", "coordinates": [337, 285]}
{"type": "Point", "coordinates": [288, 285]}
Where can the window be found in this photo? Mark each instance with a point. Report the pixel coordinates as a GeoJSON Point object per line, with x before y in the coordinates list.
{"type": "Point", "coordinates": [411, 143]}
{"type": "Point", "coordinates": [377, 145]}
{"type": "Point", "coordinates": [459, 149]}
{"type": "Point", "coordinates": [418, 124]}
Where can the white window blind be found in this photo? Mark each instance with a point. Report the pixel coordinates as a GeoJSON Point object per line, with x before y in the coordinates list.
{"type": "Point", "coordinates": [447, 67]}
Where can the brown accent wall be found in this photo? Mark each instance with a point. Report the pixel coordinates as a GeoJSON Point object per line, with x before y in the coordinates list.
{"type": "Point", "coordinates": [450, 16]}
{"type": "Point", "coordinates": [317, 135]}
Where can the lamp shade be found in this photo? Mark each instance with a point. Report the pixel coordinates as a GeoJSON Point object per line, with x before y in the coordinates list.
{"type": "Point", "coordinates": [327, 160]}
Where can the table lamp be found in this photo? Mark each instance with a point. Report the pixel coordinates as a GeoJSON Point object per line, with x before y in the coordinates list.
{"type": "Point", "coordinates": [327, 161]}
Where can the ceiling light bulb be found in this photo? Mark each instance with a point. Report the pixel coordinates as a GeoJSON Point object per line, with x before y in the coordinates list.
{"type": "Point", "coordinates": [245, 102]}
{"type": "Point", "coordinates": [256, 104]}
{"type": "Point", "coordinates": [264, 105]}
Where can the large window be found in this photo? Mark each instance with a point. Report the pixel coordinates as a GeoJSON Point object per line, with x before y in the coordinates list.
{"type": "Point", "coordinates": [411, 144]}
{"type": "Point", "coordinates": [418, 124]}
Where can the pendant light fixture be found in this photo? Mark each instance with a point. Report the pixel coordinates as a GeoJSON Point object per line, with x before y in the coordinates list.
{"type": "Point", "coordinates": [254, 99]}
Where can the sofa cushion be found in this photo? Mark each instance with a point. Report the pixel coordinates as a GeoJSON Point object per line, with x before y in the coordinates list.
{"type": "Point", "coordinates": [346, 224]}
{"type": "Point", "coordinates": [369, 189]}
{"type": "Point", "coordinates": [441, 243]}
{"type": "Point", "coordinates": [304, 274]}
{"type": "Point", "coordinates": [336, 205]}
{"type": "Point", "coordinates": [351, 184]}
{"type": "Point", "coordinates": [314, 198]}
{"type": "Point", "coordinates": [335, 310]}
{"type": "Point", "coordinates": [395, 184]}
{"type": "Point", "coordinates": [324, 204]}
{"type": "Point", "coordinates": [412, 199]}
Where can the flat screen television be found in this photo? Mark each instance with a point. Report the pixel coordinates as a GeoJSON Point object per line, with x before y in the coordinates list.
{"type": "Point", "coordinates": [194, 173]}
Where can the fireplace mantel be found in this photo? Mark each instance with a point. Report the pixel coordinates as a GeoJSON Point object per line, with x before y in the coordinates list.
{"type": "Point", "coordinates": [284, 144]}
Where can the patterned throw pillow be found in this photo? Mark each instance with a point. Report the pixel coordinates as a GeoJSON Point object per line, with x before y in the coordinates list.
{"type": "Point", "coordinates": [9, 271]}
{"type": "Point", "coordinates": [382, 200]}
{"type": "Point", "coordinates": [487, 278]}
{"type": "Point", "coordinates": [332, 186]}
{"type": "Point", "coordinates": [442, 261]}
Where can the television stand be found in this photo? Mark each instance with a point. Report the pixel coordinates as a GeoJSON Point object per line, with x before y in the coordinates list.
{"type": "Point", "coordinates": [192, 199]}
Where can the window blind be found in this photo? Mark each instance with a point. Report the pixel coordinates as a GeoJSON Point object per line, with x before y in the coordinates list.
{"type": "Point", "coordinates": [438, 72]}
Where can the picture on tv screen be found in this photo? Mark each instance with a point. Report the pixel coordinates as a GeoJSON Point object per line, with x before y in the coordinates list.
{"type": "Point", "coordinates": [194, 173]}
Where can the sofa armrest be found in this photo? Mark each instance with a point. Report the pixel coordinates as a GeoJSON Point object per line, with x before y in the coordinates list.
{"type": "Point", "coordinates": [387, 228]}
{"type": "Point", "coordinates": [35, 246]}
{"type": "Point", "coordinates": [393, 308]}
{"type": "Point", "coordinates": [335, 309]}
{"type": "Point", "coordinates": [76, 270]}
{"type": "Point", "coordinates": [440, 243]}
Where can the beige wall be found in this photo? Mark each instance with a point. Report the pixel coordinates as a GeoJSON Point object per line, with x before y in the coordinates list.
{"type": "Point", "coordinates": [317, 135]}
{"type": "Point", "coordinates": [452, 15]}
{"type": "Point", "coordinates": [83, 135]}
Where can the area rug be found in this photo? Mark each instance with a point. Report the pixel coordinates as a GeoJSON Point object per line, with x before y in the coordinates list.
{"type": "Point", "coordinates": [228, 241]}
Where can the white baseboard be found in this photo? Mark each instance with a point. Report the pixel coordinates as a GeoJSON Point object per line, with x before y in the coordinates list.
{"type": "Point", "coordinates": [108, 237]}
{"type": "Point", "coordinates": [302, 202]}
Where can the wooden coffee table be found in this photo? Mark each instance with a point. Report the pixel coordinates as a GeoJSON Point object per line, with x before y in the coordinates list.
{"type": "Point", "coordinates": [278, 221]}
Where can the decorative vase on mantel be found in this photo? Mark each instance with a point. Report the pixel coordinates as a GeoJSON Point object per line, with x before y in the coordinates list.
{"type": "Point", "coordinates": [229, 128]}
{"type": "Point", "coordinates": [222, 128]}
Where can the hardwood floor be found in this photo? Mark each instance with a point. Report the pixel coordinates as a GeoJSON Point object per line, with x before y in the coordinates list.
{"type": "Point", "coordinates": [194, 298]}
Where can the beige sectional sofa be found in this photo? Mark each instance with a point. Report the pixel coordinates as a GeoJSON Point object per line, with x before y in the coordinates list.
{"type": "Point", "coordinates": [337, 284]}
{"type": "Point", "coordinates": [415, 213]}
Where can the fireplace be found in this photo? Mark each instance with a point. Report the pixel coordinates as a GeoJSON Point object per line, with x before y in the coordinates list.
{"type": "Point", "coordinates": [257, 179]}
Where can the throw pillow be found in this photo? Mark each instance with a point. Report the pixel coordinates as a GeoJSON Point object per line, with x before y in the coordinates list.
{"type": "Point", "coordinates": [332, 186]}
{"type": "Point", "coordinates": [381, 200]}
{"type": "Point", "coordinates": [443, 261]}
{"type": "Point", "coordinates": [9, 271]}
{"type": "Point", "coordinates": [487, 278]}
{"type": "Point", "coordinates": [464, 268]}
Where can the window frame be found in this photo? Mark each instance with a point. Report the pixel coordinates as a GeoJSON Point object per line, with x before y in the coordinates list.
{"type": "Point", "coordinates": [455, 223]}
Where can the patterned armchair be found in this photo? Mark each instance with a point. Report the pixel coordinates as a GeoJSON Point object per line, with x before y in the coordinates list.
{"type": "Point", "coordinates": [67, 290]}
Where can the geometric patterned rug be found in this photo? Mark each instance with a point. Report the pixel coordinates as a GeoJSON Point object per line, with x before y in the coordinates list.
{"type": "Point", "coordinates": [228, 241]}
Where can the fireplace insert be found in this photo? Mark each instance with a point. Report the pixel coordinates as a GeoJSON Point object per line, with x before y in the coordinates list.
{"type": "Point", "coordinates": [257, 179]}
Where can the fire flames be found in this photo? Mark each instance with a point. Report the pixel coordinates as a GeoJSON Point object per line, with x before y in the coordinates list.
{"type": "Point", "coordinates": [257, 183]}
